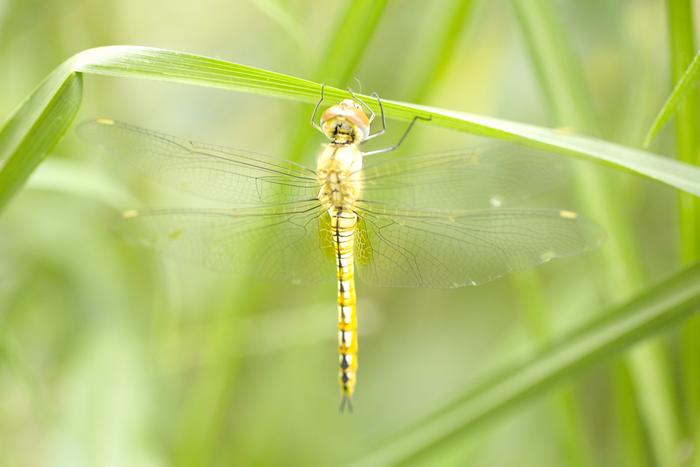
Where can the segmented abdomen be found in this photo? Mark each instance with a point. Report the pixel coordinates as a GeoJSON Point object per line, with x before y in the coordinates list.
{"type": "Point", "coordinates": [343, 223]}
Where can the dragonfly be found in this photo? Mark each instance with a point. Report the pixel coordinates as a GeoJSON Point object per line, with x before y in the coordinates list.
{"type": "Point", "coordinates": [440, 220]}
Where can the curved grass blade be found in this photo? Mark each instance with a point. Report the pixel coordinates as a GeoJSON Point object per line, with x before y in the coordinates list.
{"type": "Point", "coordinates": [35, 128]}
{"type": "Point", "coordinates": [669, 302]}
{"type": "Point", "coordinates": [192, 69]}
{"type": "Point", "coordinates": [688, 82]}
{"type": "Point", "coordinates": [46, 115]}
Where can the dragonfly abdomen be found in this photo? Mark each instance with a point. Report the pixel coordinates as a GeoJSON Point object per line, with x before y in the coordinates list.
{"type": "Point", "coordinates": [343, 223]}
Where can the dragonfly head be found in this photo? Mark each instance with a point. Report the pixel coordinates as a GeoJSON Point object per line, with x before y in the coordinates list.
{"type": "Point", "coordinates": [345, 123]}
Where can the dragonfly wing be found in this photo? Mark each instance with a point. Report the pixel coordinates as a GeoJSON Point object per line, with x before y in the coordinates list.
{"type": "Point", "coordinates": [287, 243]}
{"type": "Point", "coordinates": [223, 174]}
{"type": "Point", "coordinates": [403, 248]}
{"type": "Point", "coordinates": [477, 178]}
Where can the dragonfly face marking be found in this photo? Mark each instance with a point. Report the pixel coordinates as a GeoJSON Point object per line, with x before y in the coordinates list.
{"type": "Point", "coordinates": [345, 123]}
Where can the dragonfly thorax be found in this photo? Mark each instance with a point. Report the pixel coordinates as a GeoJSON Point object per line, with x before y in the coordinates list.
{"type": "Point", "coordinates": [345, 123]}
{"type": "Point", "coordinates": [338, 173]}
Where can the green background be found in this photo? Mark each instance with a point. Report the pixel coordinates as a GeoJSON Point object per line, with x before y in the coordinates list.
{"type": "Point", "coordinates": [111, 355]}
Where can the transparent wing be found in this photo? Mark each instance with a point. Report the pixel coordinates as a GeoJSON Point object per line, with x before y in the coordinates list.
{"type": "Point", "coordinates": [288, 243]}
{"type": "Point", "coordinates": [402, 248]}
{"type": "Point", "coordinates": [218, 173]}
{"type": "Point", "coordinates": [469, 178]}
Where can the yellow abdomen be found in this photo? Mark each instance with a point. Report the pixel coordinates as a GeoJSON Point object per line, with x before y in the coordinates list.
{"type": "Point", "coordinates": [343, 225]}
{"type": "Point", "coordinates": [337, 168]}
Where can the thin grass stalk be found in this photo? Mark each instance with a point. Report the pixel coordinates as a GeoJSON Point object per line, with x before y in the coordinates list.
{"type": "Point", "coordinates": [632, 446]}
{"type": "Point", "coordinates": [695, 452]}
{"type": "Point", "coordinates": [565, 89]}
{"type": "Point", "coordinates": [687, 83]}
{"type": "Point", "coordinates": [687, 125]}
{"type": "Point", "coordinates": [537, 312]}
{"type": "Point", "coordinates": [527, 285]}
{"type": "Point", "coordinates": [339, 60]}
{"type": "Point", "coordinates": [442, 47]}
{"type": "Point", "coordinates": [556, 86]}
{"type": "Point", "coordinates": [209, 404]}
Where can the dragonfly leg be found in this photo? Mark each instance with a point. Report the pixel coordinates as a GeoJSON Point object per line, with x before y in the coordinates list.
{"type": "Point", "coordinates": [318, 104]}
{"type": "Point", "coordinates": [398, 143]}
{"type": "Point", "coordinates": [370, 112]}
{"type": "Point", "coordinates": [381, 113]}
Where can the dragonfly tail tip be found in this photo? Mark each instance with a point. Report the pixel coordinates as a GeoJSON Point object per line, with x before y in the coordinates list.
{"type": "Point", "coordinates": [345, 402]}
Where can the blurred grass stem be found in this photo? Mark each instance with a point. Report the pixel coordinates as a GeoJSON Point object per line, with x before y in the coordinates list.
{"type": "Point", "coordinates": [562, 81]}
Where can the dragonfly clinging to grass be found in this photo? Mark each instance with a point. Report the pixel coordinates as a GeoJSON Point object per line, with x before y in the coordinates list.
{"type": "Point", "coordinates": [439, 220]}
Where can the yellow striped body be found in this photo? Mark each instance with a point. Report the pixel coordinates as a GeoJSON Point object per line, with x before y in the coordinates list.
{"type": "Point", "coordinates": [343, 225]}
{"type": "Point", "coordinates": [338, 168]}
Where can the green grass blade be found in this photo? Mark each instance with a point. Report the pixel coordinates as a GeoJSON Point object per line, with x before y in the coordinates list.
{"type": "Point", "coordinates": [686, 84]}
{"type": "Point", "coordinates": [350, 40]}
{"type": "Point", "coordinates": [570, 428]}
{"type": "Point", "coordinates": [662, 169]}
{"type": "Point", "coordinates": [680, 14]}
{"type": "Point", "coordinates": [558, 70]}
{"type": "Point", "coordinates": [441, 47]}
{"type": "Point", "coordinates": [561, 81]}
{"type": "Point", "coordinates": [670, 301]}
{"type": "Point", "coordinates": [561, 77]}
{"type": "Point", "coordinates": [35, 128]}
{"type": "Point", "coordinates": [687, 126]}
{"type": "Point", "coordinates": [171, 66]}
{"type": "Point", "coordinates": [165, 65]}
{"type": "Point", "coordinates": [629, 433]}
{"type": "Point", "coordinates": [279, 14]}
{"type": "Point", "coordinates": [695, 460]}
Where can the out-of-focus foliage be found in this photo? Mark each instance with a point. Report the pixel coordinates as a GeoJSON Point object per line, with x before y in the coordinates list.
{"type": "Point", "coordinates": [110, 355]}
